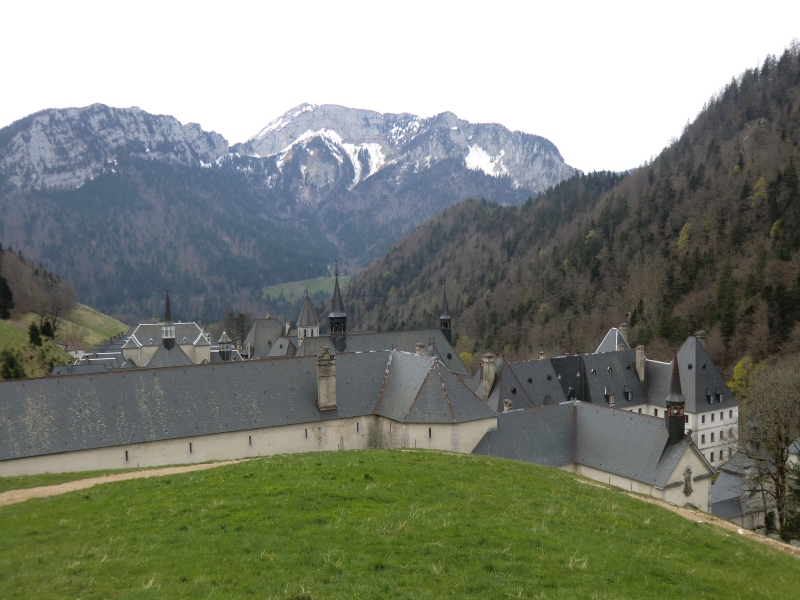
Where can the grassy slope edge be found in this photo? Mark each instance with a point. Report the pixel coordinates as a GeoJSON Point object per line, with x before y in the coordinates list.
{"type": "Point", "coordinates": [403, 524]}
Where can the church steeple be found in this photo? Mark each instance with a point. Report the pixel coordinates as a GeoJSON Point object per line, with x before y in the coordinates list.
{"type": "Point", "coordinates": [307, 322]}
{"type": "Point", "coordinates": [168, 329]}
{"type": "Point", "coordinates": [337, 318]}
{"type": "Point", "coordinates": [676, 404]}
{"type": "Point", "coordinates": [445, 320]}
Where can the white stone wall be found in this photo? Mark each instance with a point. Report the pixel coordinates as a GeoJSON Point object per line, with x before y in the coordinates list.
{"type": "Point", "coordinates": [355, 433]}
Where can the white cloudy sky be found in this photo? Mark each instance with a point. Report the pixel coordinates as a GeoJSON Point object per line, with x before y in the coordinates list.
{"type": "Point", "coordinates": [608, 82]}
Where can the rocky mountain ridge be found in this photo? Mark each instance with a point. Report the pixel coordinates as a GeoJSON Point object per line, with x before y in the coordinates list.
{"type": "Point", "coordinates": [372, 141]}
{"type": "Point", "coordinates": [126, 203]}
{"type": "Point", "coordinates": [67, 147]}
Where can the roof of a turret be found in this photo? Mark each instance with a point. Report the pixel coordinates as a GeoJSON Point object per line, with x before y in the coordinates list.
{"type": "Point", "coordinates": [445, 311]}
{"type": "Point", "coordinates": [167, 311]}
{"type": "Point", "coordinates": [337, 306]}
{"type": "Point", "coordinates": [308, 316]}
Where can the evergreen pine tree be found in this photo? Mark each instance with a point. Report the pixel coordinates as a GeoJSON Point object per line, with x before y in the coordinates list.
{"type": "Point", "coordinates": [34, 336]}
{"type": "Point", "coordinates": [6, 299]}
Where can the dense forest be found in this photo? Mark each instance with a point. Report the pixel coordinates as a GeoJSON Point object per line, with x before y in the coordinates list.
{"type": "Point", "coordinates": [707, 235]}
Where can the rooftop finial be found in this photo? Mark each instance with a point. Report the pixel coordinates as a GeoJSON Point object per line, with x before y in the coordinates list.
{"type": "Point", "coordinates": [167, 311]}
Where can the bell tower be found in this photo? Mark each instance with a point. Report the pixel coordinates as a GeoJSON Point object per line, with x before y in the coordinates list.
{"type": "Point", "coordinates": [337, 318]}
{"type": "Point", "coordinates": [445, 320]}
{"type": "Point", "coordinates": [168, 328]}
{"type": "Point", "coordinates": [676, 405]}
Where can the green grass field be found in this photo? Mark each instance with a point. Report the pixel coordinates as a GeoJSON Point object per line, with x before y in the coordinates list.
{"type": "Point", "coordinates": [12, 336]}
{"type": "Point", "coordinates": [374, 524]}
{"type": "Point", "coordinates": [297, 289]}
{"type": "Point", "coordinates": [95, 325]}
{"type": "Point", "coordinates": [29, 481]}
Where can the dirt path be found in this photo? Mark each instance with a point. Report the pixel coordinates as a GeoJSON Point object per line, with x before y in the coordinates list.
{"type": "Point", "coordinates": [701, 517]}
{"type": "Point", "coordinates": [14, 496]}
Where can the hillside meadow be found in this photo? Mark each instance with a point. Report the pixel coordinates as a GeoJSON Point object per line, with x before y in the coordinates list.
{"type": "Point", "coordinates": [374, 524]}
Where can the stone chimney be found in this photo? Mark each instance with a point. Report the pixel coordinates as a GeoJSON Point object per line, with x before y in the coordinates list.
{"type": "Point", "coordinates": [507, 405]}
{"type": "Point", "coordinates": [541, 354]}
{"type": "Point", "coordinates": [421, 349]}
{"type": "Point", "coordinates": [640, 361]}
{"type": "Point", "coordinates": [701, 337]}
{"type": "Point", "coordinates": [288, 329]}
{"type": "Point", "coordinates": [326, 380]}
{"type": "Point", "coordinates": [489, 362]}
{"type": "Point", "coordinates": [269, 316]}
{"type": "Point", "coordinates": [623, 330]}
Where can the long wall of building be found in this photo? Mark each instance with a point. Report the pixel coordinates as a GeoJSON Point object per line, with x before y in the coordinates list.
{"type": "Point", "coordinates": [354, 433]}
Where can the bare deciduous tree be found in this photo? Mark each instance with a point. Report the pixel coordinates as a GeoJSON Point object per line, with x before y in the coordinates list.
{"type": "Point", "coordinates": [770, 423]}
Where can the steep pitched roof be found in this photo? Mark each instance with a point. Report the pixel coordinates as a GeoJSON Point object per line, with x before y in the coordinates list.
{"type": "Point", "coordinates": [539, 382]}
{"type": "Point", "coordinates": [308, 316]}
{"type": "Point", "coordinates": [613, 373]}
{"type": "Point", "coordinates": [445, 311]}
{"type": "Point", "coordinates": [612, 341]}
{"type": "Point", "coordinates": [337, 306]}
{"type": "Point", "coordinates": [701, 380]}
{"type": "Point", "coordinates": [261, 337]}
{"type": "Point", "coordinates": [168, 357]}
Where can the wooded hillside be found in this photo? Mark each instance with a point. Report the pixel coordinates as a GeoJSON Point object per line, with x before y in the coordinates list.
{"type": "Point", "coordinates": [706, 235]}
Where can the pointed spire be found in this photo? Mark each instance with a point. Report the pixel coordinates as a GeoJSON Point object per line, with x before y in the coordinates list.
{"type": "Point", "coordinates": [445, 311]}
{"type": "Point", "coordinates": [167, 312]}
{"type": "Point", "coordinates": [675, 392]}
{"type": "Point", "coordinates": [337, 306]}
{"type": "Point", "coordinates": [308, 316]}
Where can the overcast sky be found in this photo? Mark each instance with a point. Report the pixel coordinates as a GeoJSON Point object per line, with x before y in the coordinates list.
{"type": "Point", "coordinates": [608, 83]}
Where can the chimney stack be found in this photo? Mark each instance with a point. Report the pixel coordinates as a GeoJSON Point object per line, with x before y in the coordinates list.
{"type": "Point", "coordinates": [623, 330]}
{"type": "Point", "coordinates": [326, 380]}
{"type": "Point", "coordinates": [541, 354]}
{"type": "Point", "coordinates": [640, 361]}
{"type": "Point", "coordinates": [420, 349]}
{"type": "Point", "coordinates": [701, 337]}
{"type": "Point", "coordinates": [288, 329]}
{"type": "Point", "coordinates": [489, 362]}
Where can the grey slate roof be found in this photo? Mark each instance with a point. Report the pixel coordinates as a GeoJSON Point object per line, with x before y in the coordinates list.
{"type": "Point", "coordinates": [543, 387]}
{"type": "Point", "coordinates": [261, 337]}
{"type": "Point", "coordinates": [144, 332]}
{"type": "Point", "coordinates": [283, 346]}
{"type": "Point", "coordinates": [542, 435]}
{"type": "Point", "coordinates": [699, 378]}
{"type": "Point", "coordinates": [614, 372]}
{"type": "Point", "coordinates": [169, 357]}
{"type": "Point", "coordinates": [58, 414]}
{"type": "Point", "coordinates": [366, 341]}
{"type": "Point", "coordinates": [611, 440]}
{"type": "Point", "coordinates": [612, 340]}
{"type": "Point", "coordinates": [308, 316]}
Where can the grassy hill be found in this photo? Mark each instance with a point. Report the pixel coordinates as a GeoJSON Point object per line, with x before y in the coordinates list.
{"type": "Point", "coordinates": [83, 322]}
{"type": "Point", "coordinates": [399, 524]}
{"type": "Point", "coordinates": [707, 235]}
{"type": "Point", "coordinates": [297, 289]}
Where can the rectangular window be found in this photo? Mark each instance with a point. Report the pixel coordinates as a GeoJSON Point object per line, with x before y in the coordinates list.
{"type": "Point", "coordinates": [703, 439]}
{"type": "Point", "coordinates": [722, 434]}
{"type": "Point", "coordinates": [730, 414]}
{"type": "Point", "coordinates": [712, 417]}
{"type": "Point", "coordinates": [722, 415]}
{"type": "Point", "coordinates": [712, 437]}
{"type": "Point", "coordinates": [722, 454]}
{"type": "Point", "coordinates": [640, 411]}
{"type": "Point", "coordinates": [430, 432]}
{"type": "Point", "coordinates": [390, 428]}
{"type": "Point", "coordinates": [712, 457]}
{"type": "Point", "coordinates": [357, 427]}
{"type": "Point", "coordinates": [306, 433]}
{"type": "Point", "coordinates": [190, 447]}
{"type": "Point", "coordinates": [655, 412]}
{"type": "Point", "coordinates": [703, 419]}
{"type": "Point", "coordinates": [126, 456]}
{"type": "Point", "coordinates": [686, 418]}
{"type": "Point", "coordinates": [250, 440]}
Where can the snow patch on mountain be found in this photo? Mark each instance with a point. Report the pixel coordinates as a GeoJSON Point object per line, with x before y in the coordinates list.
{"type": "Point", "coordinates": [480, 160]}
{"type": "Point", "coordinates": [284, 120]}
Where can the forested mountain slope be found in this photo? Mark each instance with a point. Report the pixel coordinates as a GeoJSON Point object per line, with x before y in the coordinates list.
{"type": "Point", "coordinates": [705, 236]}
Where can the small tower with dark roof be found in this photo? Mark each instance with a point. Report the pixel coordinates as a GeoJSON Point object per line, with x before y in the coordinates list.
{"type": "Point", "coordinates": [168, 329]}
{"type": "Point", "coordinates": [676, 405]}
{"type": "Point", "coordinates": [307, 322]}
{"type": "Point", "coordinates": [337, 318]}
{"type": "Point", "coordinates": [445, 320]}
{"type": "Point", "coordinates": [225, 347]}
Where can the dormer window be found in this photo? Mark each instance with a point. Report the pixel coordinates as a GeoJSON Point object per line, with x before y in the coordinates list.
{"type": "Point", "coordinates": [720, 397]}
{"type": "Point", "coordinates": [628, 393]}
